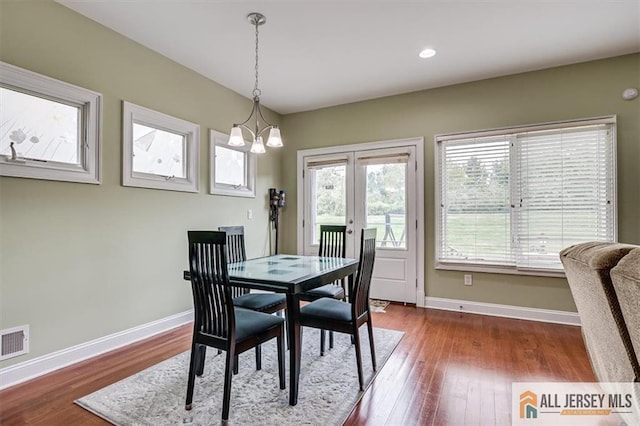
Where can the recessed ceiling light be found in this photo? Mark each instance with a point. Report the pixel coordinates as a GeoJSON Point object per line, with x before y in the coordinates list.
{"type": "Point", "coordinates": [427, 53]}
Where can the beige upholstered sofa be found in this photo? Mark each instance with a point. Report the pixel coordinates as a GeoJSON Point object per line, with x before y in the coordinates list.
{"type": "Point", "coordinates": [605, 282]}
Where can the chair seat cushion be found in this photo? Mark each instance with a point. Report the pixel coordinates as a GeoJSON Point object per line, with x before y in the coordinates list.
{"type": "Point", "coordinates": [249, 323]}
{"type": "Point", "coordinates": [327, 308]}
{"type": "Point", "coordinates": [259, 301]}
{"type": "Point", "coordinates": [329, 290]}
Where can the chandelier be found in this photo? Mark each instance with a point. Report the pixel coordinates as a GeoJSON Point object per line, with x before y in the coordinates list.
{"type": "Point", "coordinates": [236, 138]}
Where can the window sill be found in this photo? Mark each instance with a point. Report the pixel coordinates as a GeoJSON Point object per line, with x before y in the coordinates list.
{"type": "Point", "coordinates": [34, 169]}
{"type": "Point", "coordinates": [499, 270]}
{"type": "Point", "coordinates": [232, 192]}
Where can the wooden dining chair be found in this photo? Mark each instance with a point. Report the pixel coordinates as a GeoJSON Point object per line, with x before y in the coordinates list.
{"type": "Point", "coordinates": [333, 239]}
{"type": "Point", "coordinates": [217, 322]}
{"type": "Point", "coordinates": [267, 303]}
{"type": "Point", "coordinates": [332, 314]}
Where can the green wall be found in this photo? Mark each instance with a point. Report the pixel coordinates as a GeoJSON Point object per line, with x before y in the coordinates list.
{"type": "Point", "coordinates": [81, 261]}
{"type": "Point", "coordinates": [583, 90]}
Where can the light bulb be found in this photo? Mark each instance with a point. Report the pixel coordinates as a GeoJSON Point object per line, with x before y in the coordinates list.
{"type": "Point", "coordinates": [274, 141]}
{"type": "Point", "coordinates": [236, 138]}
{"type": "Point", "coordinates": [258, 147]}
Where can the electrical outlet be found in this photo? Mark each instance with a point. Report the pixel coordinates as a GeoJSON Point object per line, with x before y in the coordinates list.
{"type": "Point", "coordinates": [468, 279]}
{"type": "Point", "coordinates": [249, 214]}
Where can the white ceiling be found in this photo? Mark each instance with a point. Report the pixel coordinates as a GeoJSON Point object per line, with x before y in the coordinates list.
{"type": "Point", "coordinates": [316, 53]}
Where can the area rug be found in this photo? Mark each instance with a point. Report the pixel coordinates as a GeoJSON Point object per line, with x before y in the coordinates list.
{"type": "Point", "coordinates": [378, 305]}
{"type": "Point", "coordinates": [328, 388]}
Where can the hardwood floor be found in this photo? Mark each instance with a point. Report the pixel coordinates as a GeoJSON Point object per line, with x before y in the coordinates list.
{"type": "Point", "coordinates": [449, 369]}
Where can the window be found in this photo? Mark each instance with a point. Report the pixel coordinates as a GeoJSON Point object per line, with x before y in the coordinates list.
{"type": "Point", "coordinates": [511, 199]}
{"type": "Point", "coordinates": [326, 202]}
{"type": "Point", "coordinates": [233, 169]}
{"type": "Point", "coordinates": [49, 129]}
{"type": "Point", "coordinates": [160, 151]}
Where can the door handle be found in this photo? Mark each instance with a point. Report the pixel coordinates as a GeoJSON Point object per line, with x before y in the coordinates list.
{"type": "Point", "coordinates": [350, 221]}
{"type": "Point", "coordinates": [349, 231]}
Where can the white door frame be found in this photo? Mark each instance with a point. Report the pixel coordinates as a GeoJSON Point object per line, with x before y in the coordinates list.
{"type": "Point", "coordinates": [418, 143]}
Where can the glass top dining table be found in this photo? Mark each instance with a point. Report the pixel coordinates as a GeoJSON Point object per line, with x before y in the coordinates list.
{"type": "Point", "coordinates": [284, 273]}
{"type": "Point", "coordinates": [291, 275]}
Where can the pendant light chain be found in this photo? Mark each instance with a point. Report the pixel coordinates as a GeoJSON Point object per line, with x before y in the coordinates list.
{"type": "Point", "coordinates": [236, 137]}
{"type": "Point", "coordinates": [256, 91]}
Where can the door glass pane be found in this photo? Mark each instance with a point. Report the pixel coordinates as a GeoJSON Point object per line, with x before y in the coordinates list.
{"type": "Point", "coordinates": [328, 198]}
{"type": "Point", "coordinates": [38, 129]}
{"type": "Point", "coordinates": [385, 203]}
{"type": "Point", "coordinates": [158, 152]}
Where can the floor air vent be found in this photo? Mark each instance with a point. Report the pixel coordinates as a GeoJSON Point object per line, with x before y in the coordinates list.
{"type": "Point", "coordinates": [15, 341]}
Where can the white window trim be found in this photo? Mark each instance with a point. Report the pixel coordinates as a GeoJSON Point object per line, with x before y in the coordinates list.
{"type": "Point", "coordinates": [151, 118]}
{"type": "Point", "coordinates": [89, 102]}
{"type": "Point", "coordinates": [503, 269]}
{"type": "Point", "coordinates": [220, 139]}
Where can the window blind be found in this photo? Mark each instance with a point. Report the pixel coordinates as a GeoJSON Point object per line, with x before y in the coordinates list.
{"type": "Point", "coordinates": [565, 188]}
{"type": "Point", "coordinates": [475, 203]}
{"type": "Point", "coordinates": [515, 197]}
{"type": "Point", "coordinates": [319, 164]}
{"type": "Point", "coordinates": [373, 160]}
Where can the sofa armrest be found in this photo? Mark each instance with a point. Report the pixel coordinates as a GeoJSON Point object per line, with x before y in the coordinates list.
{"type": "Point", "coordinates": [625, 277]}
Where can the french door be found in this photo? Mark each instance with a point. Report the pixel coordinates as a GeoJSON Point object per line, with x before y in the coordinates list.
{"type": "Point", "coordinates": [367, 188]}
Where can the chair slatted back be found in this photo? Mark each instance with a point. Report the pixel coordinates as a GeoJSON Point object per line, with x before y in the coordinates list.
{"type": "Point", "coordinates": [333, 239]}
{"type": "Point", "coordinates": [362, 285]}
{"type": "Point", "coordinates": [235, 243]}
{"type": "Point", "coordinates": [236, 251]}
{"type": "Point", "coordinates": [212, 300]}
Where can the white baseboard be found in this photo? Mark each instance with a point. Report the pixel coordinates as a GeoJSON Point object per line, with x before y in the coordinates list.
{"type": "Point", "coordinates": [507, 311]}
{"type": "Point", "coordinates": [33, 368]}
